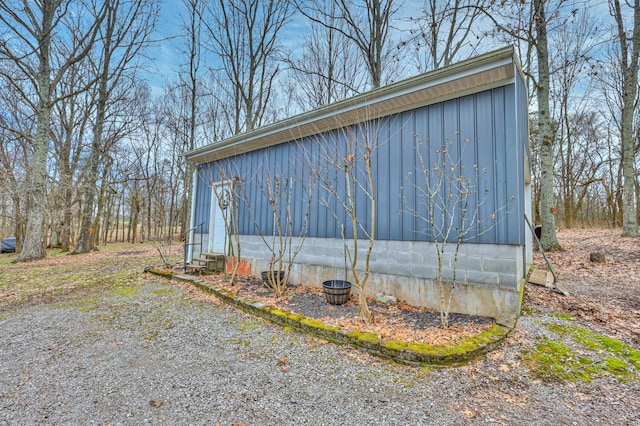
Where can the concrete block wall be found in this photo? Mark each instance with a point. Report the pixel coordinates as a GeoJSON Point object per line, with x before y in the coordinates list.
{"type": "Point", "coordinates": [489, 277]}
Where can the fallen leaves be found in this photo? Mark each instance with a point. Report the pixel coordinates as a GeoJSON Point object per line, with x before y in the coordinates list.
{"type": "Point", "coordinates": [516, 401]}
{"type": "Point", "coordinates": [391, 320]}
{"type": "Point", "coordinates": [605, 295]}
{"type": "Point", "coordinates": [468, 413]}
{"type": "Point", "coordinates": [282, 363]}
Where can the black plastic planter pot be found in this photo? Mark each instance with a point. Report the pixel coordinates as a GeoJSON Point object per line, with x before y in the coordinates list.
{"type": "Point", "coordinates": [265, 276]}
{"type": "Point", "coordinates": [336, 292]}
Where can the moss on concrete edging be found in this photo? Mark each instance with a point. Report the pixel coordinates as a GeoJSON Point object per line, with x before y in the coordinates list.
{"type": "Point", "coordinates": [417, 354]}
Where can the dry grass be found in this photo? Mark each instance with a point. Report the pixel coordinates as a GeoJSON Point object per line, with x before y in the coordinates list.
{"type": "Point", "coordinates": [59, 273]}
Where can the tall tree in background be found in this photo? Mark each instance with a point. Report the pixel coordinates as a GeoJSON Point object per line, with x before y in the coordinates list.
{"type": "Point", "coordinates": [530, 24]}
{"type": "Point", "coordinates": [43, 39]}
{"type": "Point", "coordinates": [16, 127]}
{"type": "Point", "coordinates": [629, 41]}
{"type": "Point", "coordinates": [13, 158]}
{"type": "Point", "coordinates": [445, 29]}
{"type": "Point", "coordinates": [245, 36]}
{"type": "Point", "coordinates": [327, 69]}
{"type": "Point", "coordinates": [190, 79]}
{"type": "Point", "coordinates": [366, 23]}
{"type": "Point", "coordinates": [148, 159]}
{"type": "Point", "coordinates": [572, 106]}
{"type": "Point", "coordinates": [609, 93]}
{"type": "Point", "coordinates": [127, 29]}
{"type": "Point", "coordinates": [72, 117]}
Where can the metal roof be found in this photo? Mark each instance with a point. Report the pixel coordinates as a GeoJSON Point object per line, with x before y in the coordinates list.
{"type": "Point", "coordinates": [493, 69]}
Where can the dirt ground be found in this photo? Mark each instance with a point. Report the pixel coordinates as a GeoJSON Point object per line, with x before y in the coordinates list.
{"type": "Point", "coordinates": [605, 296]}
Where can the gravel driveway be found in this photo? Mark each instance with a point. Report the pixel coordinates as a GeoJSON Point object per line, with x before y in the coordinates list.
{"type": "Point", "coordinates": [150, 354]}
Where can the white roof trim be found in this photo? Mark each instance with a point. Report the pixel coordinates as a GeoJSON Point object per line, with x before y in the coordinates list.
{"type": "Point", "coordinates": [483, 72]}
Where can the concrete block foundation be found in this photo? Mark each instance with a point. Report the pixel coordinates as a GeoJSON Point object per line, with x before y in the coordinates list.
{"type": "Point", "coordinates": [489, 277]}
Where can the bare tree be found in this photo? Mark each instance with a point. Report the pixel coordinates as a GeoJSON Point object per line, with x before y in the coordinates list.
{"type": "Point", "coordinates": [172, 115]}
{"type": "Point", "coordinates": [126, 31]}
{"type": "Point", "coordinates": [365, 23]}
{"type": "Point", "coordinates": [530, 23]}
{"type": "Point", "coordinates": [582, 158]}
{"type": "Point", "coordinates": [35, 33]}
{"type": "Point", "coordinates": [13, 155]}
{"type": "Point", "coordinates": [629, 41]}
{"type": "Point", "coordinates": [548, 238]}
{"type": "Point", "coordinates": [345, 171]}
{"type": "Point", "coordinates": [452, 208]}
{"type": "Point", "coordinates": [573, 68]}
{"type": "Point", "coordinates": [72, 118]}
{"type": "Point", "coordinates": [286, 240]}
{"type": "Point", "coordinates": [190, 80]}
{"type": "Point", "coordinates": [327, 69]}
{"type": "Point", "coordinates": [16, 128]}
{"type": "Point", "coordinates": [444, 31]}
{"type": "Point", "coordinates": [245, 36]}
{"type": "Point", "coordinates": [147, 150]}
{"type": "Point", "coordinates": [609, 83]}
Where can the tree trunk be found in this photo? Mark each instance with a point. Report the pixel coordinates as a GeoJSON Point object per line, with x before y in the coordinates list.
{"type": "Point", "coordinates": [123, 220]}
{"type": "Point", "coordinates": [547, 199]}
{"type": "Point", "coordinates": [133, 229]}
{"type": "Point", "coordinates": [65, 237]}
{"type": "Point", "coordinates": [34, 241]}
{"type": "Point", "coordinates": [89, 188]}
{"type": "Point", "coordinates": [106, 218]}
{"type": "Point", "coordinates": [629, 67]}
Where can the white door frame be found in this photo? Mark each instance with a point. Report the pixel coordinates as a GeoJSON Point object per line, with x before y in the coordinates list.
{"type": "Point", "coordinates": [216, 214]}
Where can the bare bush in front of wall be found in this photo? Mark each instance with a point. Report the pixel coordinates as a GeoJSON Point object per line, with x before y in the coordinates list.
{"type": "Point", "coordinates": [281, 192]}
{"type": "Point", "coordinates": [451, 208]}
{"type": "Point", "coordinates": [345, 171]}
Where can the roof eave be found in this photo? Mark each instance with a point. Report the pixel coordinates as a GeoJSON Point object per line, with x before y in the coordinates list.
{"type": "Point", "coordinates": [483, 72]}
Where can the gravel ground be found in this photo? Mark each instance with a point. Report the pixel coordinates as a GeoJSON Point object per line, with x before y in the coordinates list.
{"type": "Point", "coordinates": [152, 355]}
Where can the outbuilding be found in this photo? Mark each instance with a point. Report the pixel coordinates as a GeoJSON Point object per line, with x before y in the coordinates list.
{"type": "Point", "coordinates": [459, 133]}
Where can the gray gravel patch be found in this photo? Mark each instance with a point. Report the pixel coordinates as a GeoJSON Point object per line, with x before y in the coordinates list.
{"type": "Point", "coordinates": [150, 355]}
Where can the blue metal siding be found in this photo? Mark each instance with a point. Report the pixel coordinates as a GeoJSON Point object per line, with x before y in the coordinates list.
{"type": "Point", "coordinates": [513, 174]}
{"type": "Point", "coordinates": [203, 198]}
{"type": "Point", "coordinates": [480, 129]}
{"type": "Point", "coordinates": [468, 153]}
{"type": "Point", "coordinates": [416, 122]}
{"type": "Point", "coordinates": [486, 165]}
{"type": "Point", "coordinates": [501, 167]}
{"type": "Point", "coordinates": [382, 178]}
{"type": "Point", "coordinates": [396, 137]}
{"type": "Point", "coordinates": [314, 216]}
